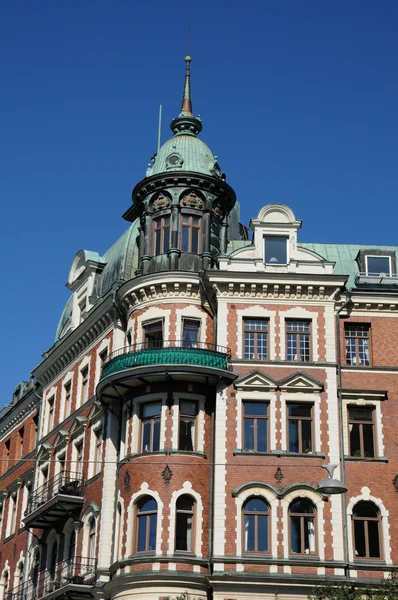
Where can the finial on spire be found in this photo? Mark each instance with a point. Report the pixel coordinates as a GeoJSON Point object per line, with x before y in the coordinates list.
{"type": "Point", "coordinates": [186, 106]}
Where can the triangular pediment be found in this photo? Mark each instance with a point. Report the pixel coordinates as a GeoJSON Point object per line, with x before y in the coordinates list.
{"type": "Point", "coordinates": [95, 411]}
{"type": "Point", "coordinates": [300, 382]}
{"type": "Point", "coordinates": [61, 439]}
{"type": "Point", "coordinates": [256, 380]}
{"type": "Point", "coordinates": [78, 425]}
{"type": "Point", "coordinates": [44, 452]}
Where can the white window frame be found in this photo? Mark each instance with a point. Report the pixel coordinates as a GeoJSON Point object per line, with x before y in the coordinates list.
{"type": "Point", "coordinates": [377, 256]}
{"type": "Point", "coordinates": [186, 490]}
{"type": "Point", "coordinates": [301, 314]}
{"type": "Point", "coordinates": [200, 419]}
{"type": "Point", "coordinates": [378, 440]}
{"type": "Point", "coordinates": [272, 500]}
{"type": "Point", "coordinates": [256, 312]}
{"type": "Point", "coordinates": [312, 398]}
{"type": "Point", "coordinates": [287, 239]}
{"type": "Point", "coordinates": [136, 420]}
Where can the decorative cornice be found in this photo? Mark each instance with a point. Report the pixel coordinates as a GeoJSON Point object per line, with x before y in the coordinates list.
{"type": "Point", "coordinates": [277, 291]}
{"type": "Point", "coordinates": [378, 303]}
{"type": "Point", "coordinates": [143, 292]}
{"type": "Point", "coordinates": [18, 418]}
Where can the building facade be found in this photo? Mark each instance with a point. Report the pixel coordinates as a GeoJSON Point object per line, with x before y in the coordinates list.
{"type": "Point", "coordinates": [173, 437]}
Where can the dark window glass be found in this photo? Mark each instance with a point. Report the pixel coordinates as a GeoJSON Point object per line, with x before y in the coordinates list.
{"type": "Point", "coordinates": [357, 345]}
{"type": "Point", "coordinates": [361, 430]}
{"type": "Point", "coordinates": [300, 428]}
{"type": "Point", "coordinates": [302, 527]}
{"type": "Point", "coordinates": [161, 235]}
{"type": "Point", "coordinates": [153, 334]}
{"type": "Point", "coordinates": [298, 341]}
{"type": "Point", "coordinates": [255, 426]}
{"type": "Point", "coordinates": [275, 250]}
{"type": "Point", "coordinates": [187, 433]}
{"type": "Point", "coordinates": [151, 426]}
{"type": "Point", "coordinates": [190, 333]}
{"type": "Point", "coordinates": [255, 525]}
{"type": "Point", "coordinates": [147, 520]}
{"type": "Point", "coordinates": [378, 265]}
{"type": "Point", "coordinates": [255, 339]}
{"type": "Point", "coordinates": [366, 521]}
{"type": "Point", "coordinates": [184, 524]}
{"type": "Point", "coordinates": [190, 233]}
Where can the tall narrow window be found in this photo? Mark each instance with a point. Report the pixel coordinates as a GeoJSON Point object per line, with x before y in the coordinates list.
{"type": "Point", "coordinates": [151, 414]}
{"type": "Point", "coordinates": [7, 455]}
{"type": "Point", "coordinates": [84, 382]}
{"type": "Point", "coordinates": [5, 584]}
{"type": "Point", "coordinates": [146, 525]}
{"type": "Point", "coordinates": [190, 333]}
{"type": "Point", "coordinates": [302, 527]}
{"type": "Point", "coordinates": [35, 567]}
{"type": "Point", "coordinates": [79, 459]}
{"type": "Point", "coordinates": [298, 341]}
{"type": "Point", "coordinates": [187, 433]}
{"type": "Point", "coordinates": [61, 470]}
{"type": "Point", "coordinates": [255, 339]}
{"type": "Point", "coordinates": [1, 520]}
{"type": "Point", "coordinates": [255, 426]}
{"type": "Point", "coordinates": [300, 427]}
{"type": "Point", "coordinates": [21, 433]}
{"type": "Point", "coordinates": [103, 356]}
{"type": "Point", "coordinates": [53, 560]}
{"type": "Point", "coordinates": [153, 334]}
{"type": "Point", "coordinates": [97, 450]}
{"type": "Point", "coordinates": [161, 235]}
{"type": "Point", "coordinates": [361, 428]}
{"type": "Point", "coordinates": [275, 250]}
{"type": "Point", "coordinates": [82, 308]}
{"type": "Point", "coordinates": [366, 521]}
{"type": "Point", "coordinates": [184, 524]}
{"type": "Point", "coordinates": [50, 408]}
{"type": "Point", "coordinates": [67, 396]}
{"type": "Point", "coordinates": [357, 345]}
{"type": "Point", "coordinates": [190, 230]}
{"type": "Point", "coordinates": [91, 537]}
{"type": "Point", "coordinates": [255, 526]}
{"type": "Point", "coordinates": [71, 547]}
{"type": "Point", "coordinates": [13, 512]}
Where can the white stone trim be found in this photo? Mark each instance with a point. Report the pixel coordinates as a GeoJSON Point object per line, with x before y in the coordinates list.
{"type": "Point", "coordinates": [200, 419]}
{"type": "Point", "coordinates": [153, 313]}
{"type": "Point", "coordinates": [86, 362]}
{"type": "Point", "coordinates": [191, 313]}
{"type": "Point", "coordinates": [220, 474]}
{"type": "Point", "coordinates": [300, 313]}
{"type": "Point", "coordinates": [104, 345]}
{"type": "Point", "coordinates": [198, 518]}
{"type": "Point", "coordinates": [90, 511]}
{"type": "Point", "coordinates": [51, 392]}
{"type": "Point", "coordinates": [67, 379]}
{"type": "Point", "coordinates": [256, 312]}
{"type": "Point", "coordinates": [272, 500]}
{"type": "Point", "coordinates": [385, 541]}
{"type": "Point", "coordinates": [92, 467]}
{"type": "Point", "coordinates": [308, 398]}
{"type": "Point", "coordinates": [316, 499]}
{"type": "Point", "coordinates": [378, 424]}
{"type": "Point", "coordinates": [131, 521]}
{"type": "Point", "coordinates": [256, 396]}
{"type": "Point", "coordinates": [119, 553]}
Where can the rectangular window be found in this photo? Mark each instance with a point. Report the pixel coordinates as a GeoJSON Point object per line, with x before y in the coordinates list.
{"type": "Point", "coordinates": [82, 308]}
{"type": "Point", "coordinates": [275, 250]}
{"type": "Point", "coordinates": [255, 427]}
{"type": "Point", "coordinates": [103, 356]}
{"type": "Point", "coordinates": [378, 265]}
{"type": "Point", "coordinates": [7, 457]}
{"type": "Point", "coordinates": [67, 396]}
{"type": "Point", "coordinates": [255, 339]}
{"type": "Point", "coordinates": [50, 408]}
{"type": "Point", "coordinates": [361, 430]}
{"type": "Point", "coordinates": [79, 458]}
{"type": "Point", "coordinates": [299, 428]}
{"type": "Point", "coordinates": [190, 333]}
{"type": "Point", "coordinates": [21, 433]}
{"type": "Point", "coordinates": [357, 345]}
{"type": "Point", "coordinates": [97, 451]}
{"type": "Point", "coordinates": [153, 334]}
{"type": "Point", "coordinates": [190, 230]}
{"type": "Point", "coordinates": [150, 419]}
{"type": "Point", "coordinates": [13, 513]}
{"type": "Point", "coordinates": [187, 428]}
{"type": "Point", "coordinates": [161, 235]}
{"type": "Point", "coordinates": [84, 381]}
{"type": "Point", "coordinates": [298, 341]}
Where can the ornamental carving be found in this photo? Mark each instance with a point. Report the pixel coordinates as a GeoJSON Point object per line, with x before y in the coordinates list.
{"type": "Point", "coordinates": [395, 483]}
{"type": "Point", "coordinates": [127, 481]}
{"type": "Point", "coordinates": [161, 201]}
{"type": "Point", "coordinates": [167, 474]}
{"type": "Point", "coordinates": [192, 200]}
{"type": "Point", "coordinates": [218, 209]}
{"type": "Point", "coordinates": [278, 475]}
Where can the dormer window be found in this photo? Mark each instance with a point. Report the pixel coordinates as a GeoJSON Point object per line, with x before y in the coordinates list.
{"type": "Point", "coordinates": [275, 250]}
{"type": "Point", "coordinates": [378, 265]}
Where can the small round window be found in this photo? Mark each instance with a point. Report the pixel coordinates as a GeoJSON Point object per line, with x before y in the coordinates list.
{"type": "Point", "coordinates": [174, 160]}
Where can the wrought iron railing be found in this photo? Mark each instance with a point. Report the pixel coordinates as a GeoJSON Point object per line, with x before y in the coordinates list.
{"type": "Point", "coordinates": [76, 571]}
{"type": "Point", "coordinates": [169, 352]}
{"type": "Point", "coordinates": [68, 483]}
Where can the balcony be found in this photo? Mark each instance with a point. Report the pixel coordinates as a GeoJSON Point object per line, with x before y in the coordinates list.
{"type": "Point", "coordinates": [54, 500]}
{"type": "Point", "coordinates": [168, 359]}
{"type": "Point", "coordinates": [73, 578]}
{"type": "Point", "coordinates": [379, 281]}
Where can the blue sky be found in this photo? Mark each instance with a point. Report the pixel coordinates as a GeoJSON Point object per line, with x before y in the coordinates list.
{"type": "Point", "coordinates": [298, 99]}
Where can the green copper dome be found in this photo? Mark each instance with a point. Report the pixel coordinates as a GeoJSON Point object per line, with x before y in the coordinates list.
{"type": "Point", "coordinates": [185, 152]}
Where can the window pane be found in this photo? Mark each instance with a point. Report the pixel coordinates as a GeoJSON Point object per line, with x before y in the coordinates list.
{"type": "Point", "coordinates": [350, 351]}
{"type": "Point", "coordinates": [141, 534]}
{"type": "Point", "coordinates": [262, 523]}
{"type": "Point", "coordinates": [148, 505]}
{"type": "Point", "coordinates": [364, 509]}
{"type": "Point", "coordinates": [304, 348]}
{"type": "Point", "coordinates": [359, 533]}
{"type": "Point", "coordinates": [378, 264]}
{"type": "Point", "coordinates": [302, 506]}
{"type": "Point", "coordinates": [157, 242]}
{"type": "Point", "coordinates": [276, 250]}
{"type": "Point", "coordinates": [262, 431]}
{"type": "Point", "coordinates": [156, 435]}
{"type": "Point", "coordinates": [152, 532]}
{"type": "Point", "coordinates": [184, 503]}
{"type": "Point", "coordinates": [249, 345]}
{"type": "Point", "coordinates": [195, 240]}
{"type": "Point", "coordinates": [146, 436]}
{"type": "Point", "coordinates": [187, 408]}
{"type": "Point", "coordinates": [295, 535]}
{"type": "Point", "coordinates": [292, 347]}
{"type": "Point", "coordinates": [187, 431]}
{"type": "Point", "coordinates": [185, 239]}
{"type": "Point", "coordinates": [249, 533]}
{"type": "Point", "coordinates": [293, 436]}
{"type": "Point", "coordinates": [306, 436]}
{"type": "Point", "coordinates": [166, 240]}
{"type": "Point", "coordinates": [249, 434]}
{"type": "Point", "coordinates": [361, 414]}
{"type": "Point", "coordinates": [190, 334]}
{"type": "Point", "coordinates": [183, 524]}
{"type": "Point", "coordinates": [262, 346]}
{"type": "Point", "coordinates": [255, 408]}
{"type": "Point", "coordinates": [368, 445]}
{"type": "Point", "coordinates": [309, 535]}
{"type": "Point", "coordinates": [150, 410]}
{"type": "Point", "coordinates": [298, 326]}
{"type": "Point", "coordinates": [374, 544]}
{"type": "Point", "coordinates": [363, 352]}
{"type": "Point", "coordinates": [355, 440]}
{"type": "Point", "coordinates": [256, 505]}
{"type": "Point", "coordinates": [299, 410]}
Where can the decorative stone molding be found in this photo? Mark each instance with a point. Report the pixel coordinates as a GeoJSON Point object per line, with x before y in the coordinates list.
{"type": "Point", "coordinates": [148, 292]}
{"type": "Point", "coordinates": [292, 290]}
{"type": "Point", "coordinates": [21, 416]}
{"type": "Point", "coordinates": [162, 201]}
{"type": "Point", "coordinates": [192, 200]}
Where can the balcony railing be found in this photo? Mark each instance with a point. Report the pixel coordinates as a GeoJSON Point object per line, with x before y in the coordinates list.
{"type": "Point", "coordinates": [78, 571]}
{"type": "Point", "coordinates": [376, 279]}
{"type": "Point", "coordinates": [65, 487]}
{"type": "Point", "coordinates": [167, 352]}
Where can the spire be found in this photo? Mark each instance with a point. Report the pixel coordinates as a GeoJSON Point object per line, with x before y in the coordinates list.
{"type": "Point", "coordinates": [186, 123]}
{"type": "Point", "coordinates": [186, 106]}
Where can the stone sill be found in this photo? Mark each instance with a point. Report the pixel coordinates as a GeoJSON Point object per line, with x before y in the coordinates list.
{"type": "Point", "coordinates": [278, 454]}
{"type": "Point", "coordinates": [365, 459]}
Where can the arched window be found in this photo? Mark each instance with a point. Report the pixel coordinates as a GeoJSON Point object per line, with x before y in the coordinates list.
{"type": "Point", "coordinates": [118, 532]}
{"type": "Point", "coordinates": [91, 537]}
{"type": "Point", "coordinates": [255, 525]}
{"type": "Point", "coordinates": [71, 546]}
{"type": "Point", "coordinates": [366, 527]}
{"type": "Point", "coordinates": [35, 569]}
{"type": "Point", "coordinates": [184, 524]}
{"type": "Point", "coordinates": [302, 527]}
{"type": "Point", "coordinates": [146, 525]}
{"type": "Point", "coordinates": [5, 584]}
